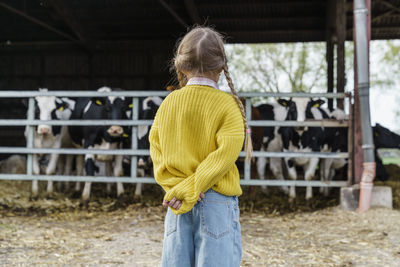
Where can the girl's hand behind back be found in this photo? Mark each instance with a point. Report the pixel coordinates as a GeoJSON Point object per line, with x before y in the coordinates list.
{"type": "Point", "coordinates": [176, 203]}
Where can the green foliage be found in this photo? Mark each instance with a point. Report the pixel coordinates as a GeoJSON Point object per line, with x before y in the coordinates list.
{"type": "Point", "coordinates": [296, 67]}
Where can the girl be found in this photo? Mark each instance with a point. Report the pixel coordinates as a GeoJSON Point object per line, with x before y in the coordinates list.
{"type": "Point", "coordinates": [195, 140]}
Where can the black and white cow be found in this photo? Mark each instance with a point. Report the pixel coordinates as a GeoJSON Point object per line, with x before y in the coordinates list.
{"type": "Point", "coordinates": [100, 137]}
{"type": "Point", "coordinates": [383, 138]}
{"type": "Point", "coordinates": [147, 110]}
{"type": "Point", "coordinates": [271, 141]}
{"type": "Point", "coordinates": [302, 139]}
{"type": "Point", "coordinates": [338, 142]}
{"type": "Point", "coordinates": [335, 140]}
{"type": "Point", "coordinates": [46, 136]}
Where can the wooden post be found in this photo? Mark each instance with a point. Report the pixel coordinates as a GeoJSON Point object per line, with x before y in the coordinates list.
{"type": "Point", "coordinates": [340, 52]}
{"type": "Point", "coordinates": [329, 59]}
{"type": "Point", "coordinates": [330, 36]}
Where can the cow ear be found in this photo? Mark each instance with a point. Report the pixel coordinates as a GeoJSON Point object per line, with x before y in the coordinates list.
{"type": "Point", "coordinates": [98, 101]}
{"type": "Point", "coordinates": [63, 106]}
{"type": "Point", "coordinates": [318, 103]}
{"type": "Point", "coordinates": [375, 131]}
{"type": "Point", "coordinates": [284, 102]}
{"type": "Point", "coordinates": [129, 104]}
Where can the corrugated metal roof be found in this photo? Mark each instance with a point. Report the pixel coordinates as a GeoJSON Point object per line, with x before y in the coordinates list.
{"type": "Point", "coordinates": [244, 21]}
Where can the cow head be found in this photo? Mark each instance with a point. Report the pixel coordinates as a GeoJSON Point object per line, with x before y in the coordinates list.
{"type": "Point", "coordinates": [384, 138]}
{"type": "Point", "coordinates": [111, 108]}
{"type": "Point", "coordinates": [301, 109]}
{"type": "Point", "coordinates": [52, 108]}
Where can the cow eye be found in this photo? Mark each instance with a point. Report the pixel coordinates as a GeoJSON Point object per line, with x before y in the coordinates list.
{"type": "Point", "coordinates": [98, 102]}
{"type": "Point", "coordinates": [130, 105]}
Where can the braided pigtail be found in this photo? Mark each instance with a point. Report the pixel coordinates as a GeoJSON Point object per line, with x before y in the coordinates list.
{"type": "Point", "coordinates": [182, 79]}
{"type": "Point", "coordinates": [248, 146]}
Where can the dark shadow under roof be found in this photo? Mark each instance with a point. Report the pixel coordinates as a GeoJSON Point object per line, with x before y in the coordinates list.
{"type": "Point", "coordinates": [126, 20]}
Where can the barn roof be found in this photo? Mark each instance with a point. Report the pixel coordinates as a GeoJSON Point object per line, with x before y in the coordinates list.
{"type": "Point", "coordinates": [251, 21]}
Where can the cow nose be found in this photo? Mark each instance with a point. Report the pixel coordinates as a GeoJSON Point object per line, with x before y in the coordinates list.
{"type": "Point", "coordinates": [115, 130]}
{"type": "Point", "coordinates": [141, 163]}
{"type": "Point", "coordinates": [43, 129]}
{"type": "Point", "coordinates": [300, 128]}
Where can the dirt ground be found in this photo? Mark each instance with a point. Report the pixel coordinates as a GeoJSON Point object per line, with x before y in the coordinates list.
{"type": "Point", "coordinates": [133, 237]}
{"type": "Point", "coordinates": [57, 232]}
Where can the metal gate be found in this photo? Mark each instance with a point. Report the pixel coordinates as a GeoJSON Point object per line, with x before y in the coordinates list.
{"type": "Point", "coordinates": [30, 122]}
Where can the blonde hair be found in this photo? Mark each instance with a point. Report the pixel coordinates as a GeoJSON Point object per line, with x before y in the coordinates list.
{"type": "Point", "coordinates": [201, 51]}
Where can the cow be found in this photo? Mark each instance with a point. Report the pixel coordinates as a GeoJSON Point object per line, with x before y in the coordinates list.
{"type": "Point", "coordinates": [271, 141]}
{"type": "Point", "coordinates": [98, 136]}
{"type": "Point", "coordinates": [383, 138]}
{"type": "Point", "coordinates": [335, 140]}
{"type": "Point", "coordinates": [301, 139]}
{"type": "Point", "coordinates": [45, 136]}
{"type": "Point", "coordinates": [147, 110]}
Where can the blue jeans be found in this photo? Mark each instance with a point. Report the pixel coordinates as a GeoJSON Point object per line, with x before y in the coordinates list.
{"type": "Point", "coordinates": [206, 236]}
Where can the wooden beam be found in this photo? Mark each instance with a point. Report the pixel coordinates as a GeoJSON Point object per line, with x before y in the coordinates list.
{"type": "Point", "coordinates": [174, 14]}
{"type": "Point", "coordinates": [389, 5]}
{"type": "Point", "coordinates": [387, 13]}
{"type": "Point", "coordinates": [39, 22]}
{"type": "Point", "coordinates": [193, 11]}
{"type": "Point", "coordinates": [340, 52]}
{"type": "Point", "coordinates": [69, 18]}
{"type": "Point", "coordinates": [329, 60]}
{"type": "Point", "coordinates": [330, 38]}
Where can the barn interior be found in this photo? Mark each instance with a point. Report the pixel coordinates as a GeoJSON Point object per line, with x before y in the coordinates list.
{"type": "Point", "coordinates": [83, 45]}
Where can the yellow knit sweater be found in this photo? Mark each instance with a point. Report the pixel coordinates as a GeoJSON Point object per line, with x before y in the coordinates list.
{"type": "Point", "coordinates": [195, 139]}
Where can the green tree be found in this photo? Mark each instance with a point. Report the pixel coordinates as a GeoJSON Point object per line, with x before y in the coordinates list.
{"type": "Point", "coordinates": [289, 67]}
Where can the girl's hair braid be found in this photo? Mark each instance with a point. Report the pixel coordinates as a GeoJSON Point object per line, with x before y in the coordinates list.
{"type": "Point", "coordinates": [181, 78]}
{"type": "Point", "coordinates": [248, 146]}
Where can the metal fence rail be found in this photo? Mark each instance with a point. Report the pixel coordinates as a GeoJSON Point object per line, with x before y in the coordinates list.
{"type": "Point", "coordinates": [30, 122]}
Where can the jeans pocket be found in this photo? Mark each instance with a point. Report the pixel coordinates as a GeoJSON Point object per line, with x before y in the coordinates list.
{"type": "Point", "coordinates": [170, 222]}
{"type": "Point", "coordinates": [215, 218]}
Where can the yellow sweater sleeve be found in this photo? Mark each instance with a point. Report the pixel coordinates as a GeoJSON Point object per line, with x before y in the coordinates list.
{"type": "Point", "coordinates": [163, 177]}
{"type": "Point", "coordinates": [229, 140]}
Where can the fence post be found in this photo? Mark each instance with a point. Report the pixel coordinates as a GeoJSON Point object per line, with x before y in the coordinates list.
{"type": "Point", "coordinates": [135, 116]}
{"type": "Point", "coordinates": [247, 163]}
{"type": "Point", "coordinates": [29, 141]}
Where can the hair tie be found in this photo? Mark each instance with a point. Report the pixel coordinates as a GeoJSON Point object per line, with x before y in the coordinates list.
{"type": "Point", "coordinates": [248, 130]}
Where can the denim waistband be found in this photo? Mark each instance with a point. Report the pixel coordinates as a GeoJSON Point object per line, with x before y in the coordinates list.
{"type": "Point", "coordinates": [215, 196]}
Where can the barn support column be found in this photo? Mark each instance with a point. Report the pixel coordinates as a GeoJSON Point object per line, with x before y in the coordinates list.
{"type": "Point", "coordinates": [362, 37]}
{"type": "Point", "coordinates": [329, 59]}
{"type": "Point", "coordinates": [335, 35]}
{"type": "Point", "coordinates": [330, 31]}
{"type": "Point", "coordinates": [340, 50]}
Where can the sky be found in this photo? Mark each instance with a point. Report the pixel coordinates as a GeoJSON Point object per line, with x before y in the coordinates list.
{"type": "Point", "coordinates": [384, 101]}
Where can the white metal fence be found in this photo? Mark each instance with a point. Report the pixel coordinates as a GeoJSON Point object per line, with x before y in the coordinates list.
{"type": "Point", "coordinates": [135, 122]}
